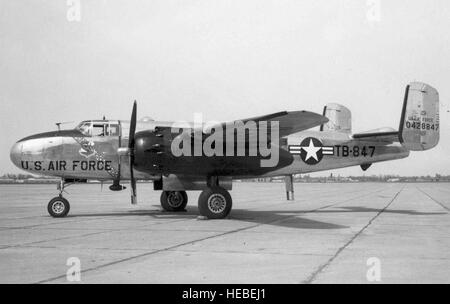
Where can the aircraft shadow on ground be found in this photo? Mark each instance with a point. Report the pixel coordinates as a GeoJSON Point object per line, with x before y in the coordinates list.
{"type": "Point", "coordinates": [288, 219]}
{"type": "Point", "coordinates": [281, 218]}
{"type": "Point", "coordinates": [375, 210]}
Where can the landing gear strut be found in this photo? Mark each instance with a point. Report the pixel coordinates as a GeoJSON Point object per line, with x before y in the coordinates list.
{"type": "Point", "coordinates": [59, 206]}
{"type": "Point", "coordinates": [174, 200]}
{"type": "Point", "coordinates": [289, 183]}
{"type": "Point", "coordinates": [215, 203]}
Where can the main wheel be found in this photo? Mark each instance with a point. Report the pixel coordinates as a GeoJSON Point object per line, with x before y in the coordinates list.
{"type": "Point", "coordinates": [174, 200]}
{"type": "Point", "coordinates": [215, 203]}
{"type": "Point", "coordinates": [58, 207]}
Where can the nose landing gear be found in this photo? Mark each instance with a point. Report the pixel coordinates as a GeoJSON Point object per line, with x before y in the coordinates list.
{"type": "Point", "coordinates": [59, 206]}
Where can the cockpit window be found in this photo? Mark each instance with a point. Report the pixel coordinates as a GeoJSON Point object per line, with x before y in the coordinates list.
{"type": "Point", "coordinates": [99, 129]}
{"type": "Point", "coordinates": [94, 128]}
{"type": "Point", "coordinates": [85, 128]}
{"type": "Point", "coordinates": [113, 130]}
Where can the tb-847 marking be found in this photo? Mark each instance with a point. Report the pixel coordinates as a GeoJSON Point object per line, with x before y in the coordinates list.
{"type": "Point", "coordinates": [355, 151]}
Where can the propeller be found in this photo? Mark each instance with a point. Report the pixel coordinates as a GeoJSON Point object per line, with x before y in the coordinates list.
{"type": "Point", "coordinates": [131, 142]}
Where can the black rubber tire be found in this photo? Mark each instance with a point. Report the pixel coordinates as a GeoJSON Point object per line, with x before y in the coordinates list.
{"type": "Point", "coordinates": [219, 211]}
{"type": "Point", "coordinates": [166, 197]}
{"type": "Point", "coordinates": [58, 207]}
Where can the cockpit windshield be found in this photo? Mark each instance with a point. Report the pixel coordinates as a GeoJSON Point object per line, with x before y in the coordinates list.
{"type": "Point", "coordinates": [85, 128]}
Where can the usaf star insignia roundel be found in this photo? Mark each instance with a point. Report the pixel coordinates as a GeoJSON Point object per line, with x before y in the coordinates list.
{"type": "Point", "coordinates": [311, 150]}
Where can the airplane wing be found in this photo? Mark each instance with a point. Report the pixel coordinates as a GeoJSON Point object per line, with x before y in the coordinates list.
{"type": "Point", "coordinates": [289, 122]}
{"type": "Point", "coordinates": [380, 135]}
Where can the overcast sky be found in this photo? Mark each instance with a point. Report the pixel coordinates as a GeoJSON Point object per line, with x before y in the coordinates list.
{"type": "Point", "coordinates": [225, 59]}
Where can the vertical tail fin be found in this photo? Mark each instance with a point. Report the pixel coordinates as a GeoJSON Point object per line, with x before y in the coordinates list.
{"type": "Point", "coordinates": [339, 118]}
{"type": "Point", "coordinates": [419, 123]}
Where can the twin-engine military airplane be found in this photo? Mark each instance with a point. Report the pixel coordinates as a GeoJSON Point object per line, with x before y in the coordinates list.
{"type": "Point", "coordinates": [117, 150]}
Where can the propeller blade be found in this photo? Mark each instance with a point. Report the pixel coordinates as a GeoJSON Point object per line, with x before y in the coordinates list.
{"type": "Point", "coordinates": [132, 126]}
{"type": "Point", "coordinates": [131, 153]}
{"type": "Point", "coordinates": [132, 183]}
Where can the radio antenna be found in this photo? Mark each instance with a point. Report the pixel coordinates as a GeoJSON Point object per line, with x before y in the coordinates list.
{"type": "Point", "coordinates": [58, 124]}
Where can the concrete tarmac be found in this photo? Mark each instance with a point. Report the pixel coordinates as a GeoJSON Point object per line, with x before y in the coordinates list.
{"type": "Point", "coordinates": [331, 233]}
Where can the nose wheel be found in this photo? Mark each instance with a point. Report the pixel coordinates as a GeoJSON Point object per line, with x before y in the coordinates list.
{"type": "Point", "coordinates": [58, 207]}
{"type": "Point", "coordinates": [215, 203]}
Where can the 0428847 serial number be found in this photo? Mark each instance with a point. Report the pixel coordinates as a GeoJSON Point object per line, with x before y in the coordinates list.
{"type": "Point", "coordinates": [355, 151]}
{"type": "Point", "coordinates": [421, 126]}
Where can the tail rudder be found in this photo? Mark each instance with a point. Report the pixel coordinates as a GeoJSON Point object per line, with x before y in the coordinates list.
{"type": "Point", "coordinates": [419, 123]}
{"type": "Point", "coordinates": [339, 118]}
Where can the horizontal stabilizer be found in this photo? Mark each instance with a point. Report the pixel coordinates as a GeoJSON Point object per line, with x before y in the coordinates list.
{"type": "Point", "coordinates": [387, 135]}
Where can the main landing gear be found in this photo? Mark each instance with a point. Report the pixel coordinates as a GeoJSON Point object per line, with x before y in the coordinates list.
{"type": "Point", "coordinates": [174, 200]}
{"type": "Point", "coordinates": [59, 206]}
{"type": "Point", "coordinates": [213, 203]}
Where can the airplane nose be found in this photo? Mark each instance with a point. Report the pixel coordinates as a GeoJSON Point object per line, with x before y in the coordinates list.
{"type": "Point", "coordinates": [16, 153]}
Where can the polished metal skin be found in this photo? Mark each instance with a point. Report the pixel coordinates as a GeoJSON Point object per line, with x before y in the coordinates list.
{"type": "Point", "coordinates": [78, 156]}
